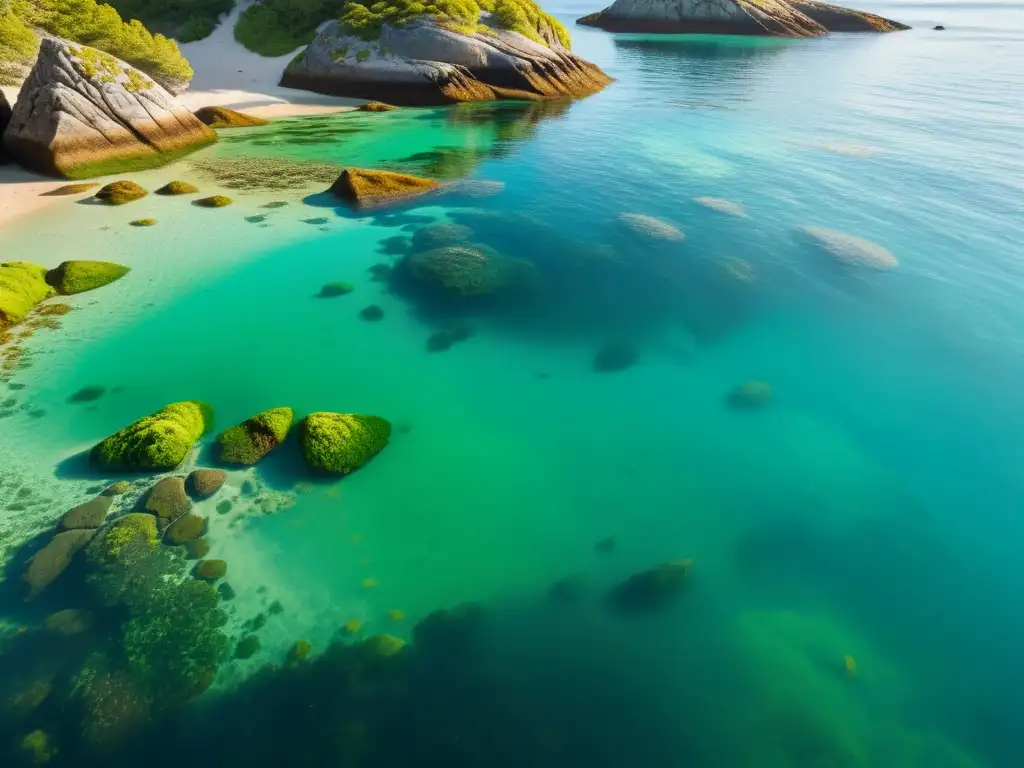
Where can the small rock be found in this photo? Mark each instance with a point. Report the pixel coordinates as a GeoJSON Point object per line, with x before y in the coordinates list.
{"type": "Point", "coordinates": [750, 394]}
{"type": "Point", "coordinates": [91, 514]}
{"type": "Point", "coordinates": [185, 528]}
{"type": "Point", "coordinates": [214, 201]}
{"type": "Point", "coordinates": [332, 290]}
{"type": "Point", "coordinates": [224, 507]}
{"type": "Point", "coordinates": [652, 589]}
{"type": "Point", "coordinates": [445, 338]}
{"type": "Point", "coordinates": [225, 591]}
{"type": "Point", "coordinates": [167, 499]}
{"type": "Point", "coordinates": [938, 28]}
{"type": "Point", "coordinates": [211, 570]}
{"type": "Point", "coordinates": [318, 221]}
{"type": "Point", "coordinates": [203, 483]}
{"type": "Point", "coordinates": [722, 205]}
{"type": "Point", "coordinates": [616, 355]}
{"type": "Point", "coordinates": [142, 222]}
{"type": "Point", "coordinates": [651, 227]}
{"type": "Point", "coordinates": [68, 622]}
{"type": "Point", "coordinates": [247, 647]}
{"type": "Point", "coordinates": [605, 546]}
{"type": "Point", "coordinates": [274, 204]}
{"type": "Point", "coordinates": [275, 608]}
{"type": "Point", "coordinates": [118, 488]}
{"type": "Point", "coordinates": [372, 313]}
{"type": "Point", "coordinates": [196, 549]}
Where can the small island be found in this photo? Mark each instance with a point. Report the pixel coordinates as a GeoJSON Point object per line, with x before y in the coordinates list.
{"type": "Point", "coordinates": [784, 18]}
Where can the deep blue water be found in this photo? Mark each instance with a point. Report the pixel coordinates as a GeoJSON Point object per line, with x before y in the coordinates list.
{"type": "Point", "coordinates": [870, 511]}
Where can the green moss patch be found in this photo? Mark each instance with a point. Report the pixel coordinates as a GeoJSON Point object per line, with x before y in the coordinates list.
{"type": "Point", "coordinates": [214, 201]}
{"type": "Point", "coordinates": [121, 192]}
{"type": "Point", "coordinates": [177, 188]}
{"type": "Point", "coordinates": [159, 441]}
{"type": "Point", "coordinates": [73, 277]}
{"type": "Point", "coordinates": [222, 117]}
{"type": "Point", "coordinates": [143, 222]}
{"type": "Point", "coordinates": [254, 438]}
{"type": "Point", "coordinates": [340, 443]}
{"type": "Point", "coordinates": [22, 286]}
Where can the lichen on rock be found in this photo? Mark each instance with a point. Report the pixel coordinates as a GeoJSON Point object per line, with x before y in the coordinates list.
{"type": "Point", "coordinates": [71, 277]}
{"type": "Point", "coordinates": [367, 188]}
{"type": "Point", "coordinates": [83, 113]}
{"type": "Point", "coordinates": [340, 443]}
{"type": "Point", "coordinates": [158, 441]}
{"type": "Point", "coordinates": [222, 117]}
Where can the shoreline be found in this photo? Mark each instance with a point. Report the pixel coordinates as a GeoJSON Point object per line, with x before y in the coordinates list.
{"type": "Point", "coordinates": [23, 193]}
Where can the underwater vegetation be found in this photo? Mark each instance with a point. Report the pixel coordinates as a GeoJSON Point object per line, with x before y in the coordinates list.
{"type": "Point", "coordinates": [340, 443]}
{"type": "Point", "coordinates": [254, 438]}
{"type": "Point", "coordinates": [158, 441]}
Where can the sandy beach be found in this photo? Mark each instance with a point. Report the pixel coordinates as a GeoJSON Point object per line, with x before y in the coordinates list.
{"type": "Point", "coordinates": [226, 75]}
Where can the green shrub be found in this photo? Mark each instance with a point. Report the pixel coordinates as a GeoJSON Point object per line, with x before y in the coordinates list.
{"type": "Point", "coordinates": [18, 44]}
{"type": "Point", "coordinates": [193, 19]}
{"type": "Point", "coordinates": [96, 25]}
{"type": "Point", "coordinates": [364, 19]}
{"type": "Point", "coordinates": [277, 27]}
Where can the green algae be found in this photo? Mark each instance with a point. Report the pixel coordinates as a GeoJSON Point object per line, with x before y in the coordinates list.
{"type": "Point", "coordinates": [340, 443]}
{"type": "Point", "coordinates": [254, 438]}
{"type": "Point", "coordinates": [158, 441]}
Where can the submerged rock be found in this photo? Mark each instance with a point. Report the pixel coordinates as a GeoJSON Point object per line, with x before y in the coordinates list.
{"type": "Point", "coordinates": [203, 483]}
{"type": "Point", "coordinates": [247, 647]}
{"type": "Point", "coordinates": [418, 61]}
{"type": "Point", "coordinates": [186, 528]}
{"type": "Point", "coordinates": [333, 290]}
{"type": "Point", "coordinates": [366, 188]}
{"type": "Point", "coordinates": [68, 622]}
{"type": "Point", "coordinates": [167, 499]}
{"type": "Point", "coordinates": [49, 562]}
{"type": "Point", "coordinates": [254, 438]}
{"type": "Point", "coordinates": [651, 227]}
{"type": "Point", "coordinates": [750, 394]}
{"type": "Point", "coordinates": [222, 117]}
{"type": "Point", "coordinates": [82, 113]}
{"type": "Point", "coordinates": [470, 270]}
{"type": "Point", "coordinates": [789, 18]}
{"type": "Point", "coordinates": [161, 440]}
{"type": "Point", "coordinates": [439, 235]}
{"type": "Point", "coordinates": [722, 205]}
{"type": "Point", "coordinates": [849, 249]}
{"type": "Point", "coordinates": [211, 570]}
{"type": "Point", "coordinates": [444, 339]}
{"type": "Point", "coordinates": [340, 443]}
{"type": "Point", "coordinates": [372, 313]}
{"type": "Point", "coordinates": [73, 277]}
{"type": "Point", "coordinates": [91, 514]}
{"type": "Point", "coordinates": [375, 106]}
{"type": "Point", "coordinates": [616, 355]}
{"type": "Point", "coordinates": [652, 589]}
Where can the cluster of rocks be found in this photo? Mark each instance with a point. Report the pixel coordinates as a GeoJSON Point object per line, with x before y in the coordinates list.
{"type": "Point", "coordinates": [24, 285]}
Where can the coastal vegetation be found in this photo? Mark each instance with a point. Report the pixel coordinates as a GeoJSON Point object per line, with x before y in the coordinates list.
{"type": "Point", "coordinates": [277, 27]}
{"type": "Point", "coordinates": [90, 23]}
{"type": "Point", "coordinates": [189, 19]}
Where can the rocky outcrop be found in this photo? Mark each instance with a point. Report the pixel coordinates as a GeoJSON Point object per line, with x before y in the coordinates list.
{"type": "Point", "coordinates": [5, 117]}
{"type": "Point", "coordinates": [367, 188]}
{"type": "Point", "coordinates": [789, 18]}
{"type": "Point", "coordinates": [84, 113]}
{"type": "Point", "coordinates": [52, 559]}
{"type": "Point", "coordinates": [222, 117]}
{"type": "Point", "coordinates": [340, 443]}
{"type": "Point", "coordinates": [422, 63]}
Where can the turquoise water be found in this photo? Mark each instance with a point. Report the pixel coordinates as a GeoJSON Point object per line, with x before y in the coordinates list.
{"type": "Point", "coordinates": [869, 511]}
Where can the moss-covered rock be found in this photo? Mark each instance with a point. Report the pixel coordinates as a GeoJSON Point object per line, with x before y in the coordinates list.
{"type": "Point", "coordinates": [372, 313]}
{"type": "Point", "coordinates": [73, 277]}
{"type": "Point", "coordinates": [186, 528]}
{"type": "Point", "coordinates": [439, 235]}
{"type": "Point", "coordinates": [332, 290]}
{"type": "Point", "coordinates": [91, 514]}
{"type": "Point", "coordinates": [470, 270]}
{"type": "Point", "coordinates": [124, 539]}
{"type": "Point", "coordinates": [142, 222]}
{"type": "Point", "coordinates": [375, 106]}
{"type": "Point", "coordinates": [299, 652]}
{"type": "Point", "coordinates": [158, 441]}
{"type": "Point", "coordinates": [167, 499]}
{"type": "Point", "coordinates": [117, 489]}
{"type": "Point", "coordinates": [222, 117]}
{"type": "Point", "coordinates": [254, 438]}
{"type": "Point", "coordinates": [203, 483]}
{"type": "Point", "coordinates": [69, 622]}
{"type": "Point", "coordinates": [121, 192]}
{"type": "Point", "coordinates": [365, 188]}
{"type": "Point", "coordinates": [22, 286]}
{"type": "Point", "coordinates": [71, 189]}
{"type": "Point", "coordinates": [177, 188]}
{"type": "Point", "coordinates": [196, 549]}
{"type": "Point", "coordinates": [652, 589]}
{"type": "Point", "coordinates": [342, 442]}
{"type": "Point", "coordinates": [211, 570]}
{"type": "Point", "coordinates": [214, 201]}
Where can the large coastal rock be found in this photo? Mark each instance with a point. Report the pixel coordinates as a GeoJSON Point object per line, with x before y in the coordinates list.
{"type": "Point", "coordinates": [84, 113]}
{"type": "Point", "coordinates": [789, 18]}
{"type": "Point", "coordinates": [5, 118]}
{"type": "Point", "coordinates": [422, 63]}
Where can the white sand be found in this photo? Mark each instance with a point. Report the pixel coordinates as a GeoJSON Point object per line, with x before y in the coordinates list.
{"type": "Point", "coordinates": [226, 75]}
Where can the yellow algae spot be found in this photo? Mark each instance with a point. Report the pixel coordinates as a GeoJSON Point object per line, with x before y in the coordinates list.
{"type": "Point", "coordinates": [396, 615]}
{"type": "Point", "coordinates": [365, 560]}
{"type": "Point", "coordinates": [850, 666]}
{"type": "Point", "coordinates": [356, 538]}
{"type": "Point", "coordinates": [352, 626]}
{"type": "Point", "coordinates": [369, 583]}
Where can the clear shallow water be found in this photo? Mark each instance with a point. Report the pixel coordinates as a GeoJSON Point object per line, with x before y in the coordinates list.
{"type": "Point", "coordinates": [870, 511]}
